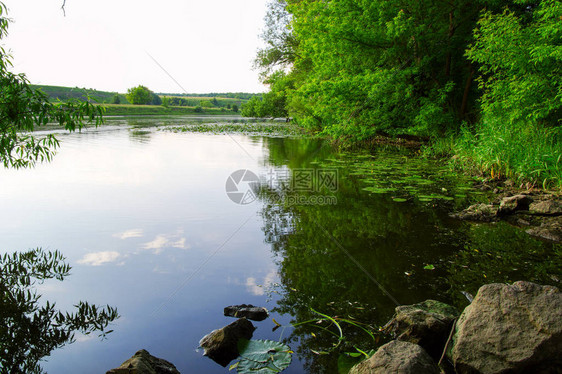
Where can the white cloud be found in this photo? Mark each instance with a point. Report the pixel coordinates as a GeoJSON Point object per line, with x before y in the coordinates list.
{"type": "Point", "coordinates": [167, 241]}
{"type": "Point", "coordinates": [133, 233]}
{"type": "Point", "coordinates": [180, 243]}
{"type": "Point", "coordinates": [99, 258]}
{"type": "Point", "coordinates": [259, 289]}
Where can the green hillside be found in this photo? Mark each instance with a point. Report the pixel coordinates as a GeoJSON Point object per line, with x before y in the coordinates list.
{"type": "Point", "coordinates": [67, 93]}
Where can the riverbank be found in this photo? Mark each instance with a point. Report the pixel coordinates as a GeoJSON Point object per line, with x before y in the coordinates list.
{"type": "Point", "coordinates": [142, 110]}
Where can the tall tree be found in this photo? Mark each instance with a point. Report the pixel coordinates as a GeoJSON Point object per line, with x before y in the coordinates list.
{"type": "Point", "coordinates": [140, 95]}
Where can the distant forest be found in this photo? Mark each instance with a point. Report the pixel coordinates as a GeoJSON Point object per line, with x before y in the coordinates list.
{"type": "Point", "coordinates": [105, 97]}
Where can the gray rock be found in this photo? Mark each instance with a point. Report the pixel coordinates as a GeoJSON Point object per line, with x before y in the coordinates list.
{"type": "Point", "coordinates": [255, 313]}
{"type": "Point", "coordinates": [221, 345]}
{"type": "Point", "coordinates": [546, 207]}
{"type": "Point", "coordinates": [397, 357]}
{"type": "Point", "coordinates": [510, 204]}
{"type": "Point", "coordinates": [143, 362]}
{"type": "Point", "coordinates": [427, 324]}
{"type": "Point", "coordinates": [510, 329]}
{"type": "Point", "coordinates": [478, 212]}
{"type": "Point", "coordinates": [550, 228]}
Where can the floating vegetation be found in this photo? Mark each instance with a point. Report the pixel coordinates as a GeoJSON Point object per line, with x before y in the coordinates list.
{"type": "Point", "coordinates": [406, 177]}
{"type": "Point", "coordinates": [262, 356]}
{"type": "Point", "coordinates": [263, 129]}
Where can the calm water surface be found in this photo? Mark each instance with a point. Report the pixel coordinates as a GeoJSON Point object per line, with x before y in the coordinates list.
{"type": "Point", "coordinates": [145, 222]}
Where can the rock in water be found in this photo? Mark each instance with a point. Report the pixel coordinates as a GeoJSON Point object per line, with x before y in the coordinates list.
{"type": "Point", "coordinates": [427, 324]}
{"type": "Point", "coordinates": [255, 313]}
{"type": "Point", "coordinates": [478, 212]}
{"type": "Point", "coordinates": [143, 362]}
{"type": "Point", "coordinates": [510, 204]}
{"type": "Point", "coordinates": [510, 329]}
{"type": "Point", "coordinates": [222, 345]}
{"type": "Point", "coordinates": [397, 357]}
{"type": "Point", "coordinates": [547, 207]}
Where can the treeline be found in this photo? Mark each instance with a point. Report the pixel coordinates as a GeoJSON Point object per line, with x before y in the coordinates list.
{"type": "Point", "coordinates": [204, 102]}
{"type": "Point", "coordinates": [482, 79]}
{"type": "Point", "coordinates": [228, 95]}
{"type": "Point", "coordinates": [69, 93]}
{"type": "Point", "coordinates": [141, 95]}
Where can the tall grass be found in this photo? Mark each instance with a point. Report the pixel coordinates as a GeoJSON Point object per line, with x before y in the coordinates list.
{"type": "Point", "coordinates": [528, 155]}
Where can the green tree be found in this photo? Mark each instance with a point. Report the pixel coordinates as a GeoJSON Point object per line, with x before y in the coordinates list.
{"type": "Point", "coordinates": [116, 99]}
{"type": "Point", "coordinates": [23, 108]}
{"type": "Point", "coordinates": [156, 100]}
{"type": "Point", "coordinates": [360, 68]}
{"type": "Point", "coordinates": [520, 59]}
{"type": "Point", "coordinates": [519, 54]}
{"type": "Point", "coordinates": [165, 101]}
{"type": "Point", "coordinates": [140, 95]}
{"type": "Point", "coordinates": [30, 330]}
{"type": "Point", "coordinates": [235, 108]}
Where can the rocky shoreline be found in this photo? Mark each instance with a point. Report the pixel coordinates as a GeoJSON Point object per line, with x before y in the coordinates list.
{"type": "Point", "coordinates": [538, 213]}
{"type": "Point", "coordinates": [513, 328]}
{"type": "Point", "coordinates": [506, 329]}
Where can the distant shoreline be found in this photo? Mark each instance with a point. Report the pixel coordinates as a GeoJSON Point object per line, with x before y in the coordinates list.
{"type": "Point", "coordinates": [143, 110]}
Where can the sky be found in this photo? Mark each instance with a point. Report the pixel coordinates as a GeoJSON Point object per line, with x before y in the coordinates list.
{"type": "Point", "coordinates": [112, 45]}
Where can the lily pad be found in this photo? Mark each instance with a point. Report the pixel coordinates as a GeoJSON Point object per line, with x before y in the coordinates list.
{"type": "Point", "coordinates": [263, 356]}
{"type": "Point", "coordinates": [379, 189]}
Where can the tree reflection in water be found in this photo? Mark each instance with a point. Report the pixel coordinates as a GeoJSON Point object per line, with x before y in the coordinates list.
{"type": "Point", "coordinates": [393, 242]}
{"type": "Point", "coordinates": [30, 330]}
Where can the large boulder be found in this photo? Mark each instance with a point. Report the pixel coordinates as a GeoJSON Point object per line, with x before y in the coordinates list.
{"type": "Point", "coordinates": [221, 345]}
{"type": "Point", "coordinates": [143, 362]}
{"type": "Point", "coordinates": [510, 329]}
{"type": "Point", "coordinates": [428, 324]}
{"type": "Point", "coordinates": [397, 357]}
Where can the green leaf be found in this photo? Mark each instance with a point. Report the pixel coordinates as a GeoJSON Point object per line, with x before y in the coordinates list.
{"type": "Point", "coordinates": [263, 356]}
{"type": "Point", "coordinates": [429, 267]}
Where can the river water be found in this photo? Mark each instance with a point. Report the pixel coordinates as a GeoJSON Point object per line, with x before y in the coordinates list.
{"type": "Point", "coordinates": [150, 225]}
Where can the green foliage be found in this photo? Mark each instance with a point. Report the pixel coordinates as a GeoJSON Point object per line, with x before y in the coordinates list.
{"type": "Point", "coordinates": [521, 65]}
{"type": "Point", "coordinates": [22, 109]}
{"type": "Point", "coordinates": [156, 100]}
{"type": "Point", "coordinates": [520, 134]}
{"type": "Point", "coordinates": [359, 69]}
{"type": "Point", "coordinates": [528, 155]}
{"type": "Point", "coordinates": [273, 104]}
{"type": "Point", "coordinates": [140, 95]}
{"type": "Point", "coordinates": [263, 356]}
{"type": "Point", "coordinates": [30, 330]}
{"type": "Point", "coordinates": [60, 93]}
{"type": "Point", "coordinates": [116, 99]}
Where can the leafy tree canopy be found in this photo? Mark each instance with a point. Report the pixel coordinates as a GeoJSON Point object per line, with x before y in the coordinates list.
{"type": "Point", "coordinates": [359, 68]}
{"type": "Point", "coordinates": [141, 95]}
